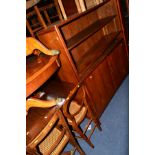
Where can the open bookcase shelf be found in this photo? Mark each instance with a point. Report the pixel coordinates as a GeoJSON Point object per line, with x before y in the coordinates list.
{"type": "Point", "coordinates": [77, 16]}
{"type": "Point", "coordinates": [90, 30]}
{"type": "Point", "coordinates": [98, 52]}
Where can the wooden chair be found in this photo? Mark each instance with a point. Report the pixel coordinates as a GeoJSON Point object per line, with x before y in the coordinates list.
{"type": "Point", "coordinates": [52, 7]}
{"type": "Point", "coordinates": [50, 11]}
{"type": "Point", "coordinates": [47, 131]}
{"type": "Point", "coordinates": [75, 107]}
{"type": "Point", "coordinates": [38, 16]}
{"type": "Point", "coordinates": [33, 46]}
{"type": "Point", "coordinates": [34, 19]}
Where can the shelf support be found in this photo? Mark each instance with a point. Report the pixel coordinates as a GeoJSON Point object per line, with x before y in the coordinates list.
{"type": "Point", "coordinates": [62, 9]}
{"type": "Point", "coordinates": [82, 4]}
{"type": "Point", "coordinates": [78, 6]}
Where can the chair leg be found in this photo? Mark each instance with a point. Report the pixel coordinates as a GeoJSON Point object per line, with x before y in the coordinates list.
{"type": "Point", "coordinates": [78, 148]}
{"type": "Point", "coordinates": [72, 139]}
{"type": "Point", "coordinates": [79, 131]}
{"type": "Point", "coordinates": [98, 124]}
{"type": "Point", "coordinates": [95, 119]}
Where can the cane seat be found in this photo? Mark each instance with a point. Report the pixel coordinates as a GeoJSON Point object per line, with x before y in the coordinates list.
{"type": "Point", "coordinates": [47, 132]}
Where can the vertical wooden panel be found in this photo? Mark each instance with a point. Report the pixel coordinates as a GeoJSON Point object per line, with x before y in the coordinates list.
{"type": "Point", "coordinates": [118, 63]}
{"type": "Point", "coordinates": [100, 86]}
{"type": "Point", "coordinates": [62, 9]}
{"type": "Point", "coordinates": [78, 25]}
{"type": "Point", "coordinates": [70, 7]}
{"type": "Point", "coordinates": [82, 4]}
{"type": "Point", "coordinates": [51, 40]}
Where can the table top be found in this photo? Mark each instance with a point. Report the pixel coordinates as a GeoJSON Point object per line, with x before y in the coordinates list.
{"type": "Point", "coordinates": [38, 70]}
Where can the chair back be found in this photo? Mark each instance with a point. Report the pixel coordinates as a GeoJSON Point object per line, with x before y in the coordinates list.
{"type": "Point", "coordinates": [48, 132]}
{"type": "Point", "coordinates": [76, 95]}
{"type": "Point", "coordinates": [34, 20]}
{"type": "Point", "coordinates": [45, 137]}
{"type": "Point", "coordinates": [40, 15]}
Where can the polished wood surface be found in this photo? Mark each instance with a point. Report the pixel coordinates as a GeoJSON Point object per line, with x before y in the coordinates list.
{"type": "Point", "coordinates": [75, 106]}
{"type": "Point", "coordinates": [69, 7]}
{"type": "Point", "coordinates": [77, 16]}
{"type": "Point", "coordinates": [36, 47]}
{"type": "Point", "coordinates": [92, 44]}
{"type": "Point", "coordinates": [53, 40]}
{"type": "Point", "coordinates": [34, 102]}
{"type": "Point", "coordinates": [38, 70]}
{"type": "Point", "coordinates": [97, 53]}
{"type": "Point", "coordinates": [90, 30]}
{"type": "Point", "coordinates": [41, 63]}
{"type": "Point", "coordinates": [48, 132]}
{"type": "Point", "coordinates": [118, 64]}
{"type": "Point", "coordinates": [100, 85]}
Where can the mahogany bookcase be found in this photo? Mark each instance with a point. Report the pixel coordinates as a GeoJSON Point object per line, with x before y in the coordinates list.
{"type": "Point", "coordinates": [93, 50]}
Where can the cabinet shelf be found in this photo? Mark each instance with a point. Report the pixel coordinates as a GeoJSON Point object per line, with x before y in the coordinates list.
{"type": "Point", "coordinates": [90, 30]}
{"type": "Point", "coordinates": [96, 54]}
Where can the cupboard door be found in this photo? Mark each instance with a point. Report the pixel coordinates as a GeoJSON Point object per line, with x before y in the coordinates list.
{"type": "Point", "coordinates": [100, 87]}
{"type": "Point", "coordinates": [118, 64]}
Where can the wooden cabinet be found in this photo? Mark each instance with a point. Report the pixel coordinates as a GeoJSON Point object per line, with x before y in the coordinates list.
{"type": "Point", "coordinates": [93, 50]}
{"type": "Point", "coordinates": [100, 86]}
{"type": "Point", "coordinates": [118, 64]}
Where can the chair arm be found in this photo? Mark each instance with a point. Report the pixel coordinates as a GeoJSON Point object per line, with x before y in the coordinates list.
{"type": "Point", "coordinates": [33, 102]}
{"type": "Point", "coordinates": [68, 101]}
{"type": "Point", "coordinates": [32, 44]}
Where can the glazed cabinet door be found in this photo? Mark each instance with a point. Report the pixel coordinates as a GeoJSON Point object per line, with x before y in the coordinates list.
{"type": "Point", "coordinates": [100, 87]}
{"type": "Point", "coordinates": [118, 64]}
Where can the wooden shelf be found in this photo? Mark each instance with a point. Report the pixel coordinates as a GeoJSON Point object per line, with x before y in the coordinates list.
{"type": "Point", "coordinates": [79, 15]}
{"type": "Point", "coordinates": [96, 54]}
{"type": "Point", "coordinates": [90, 30]}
